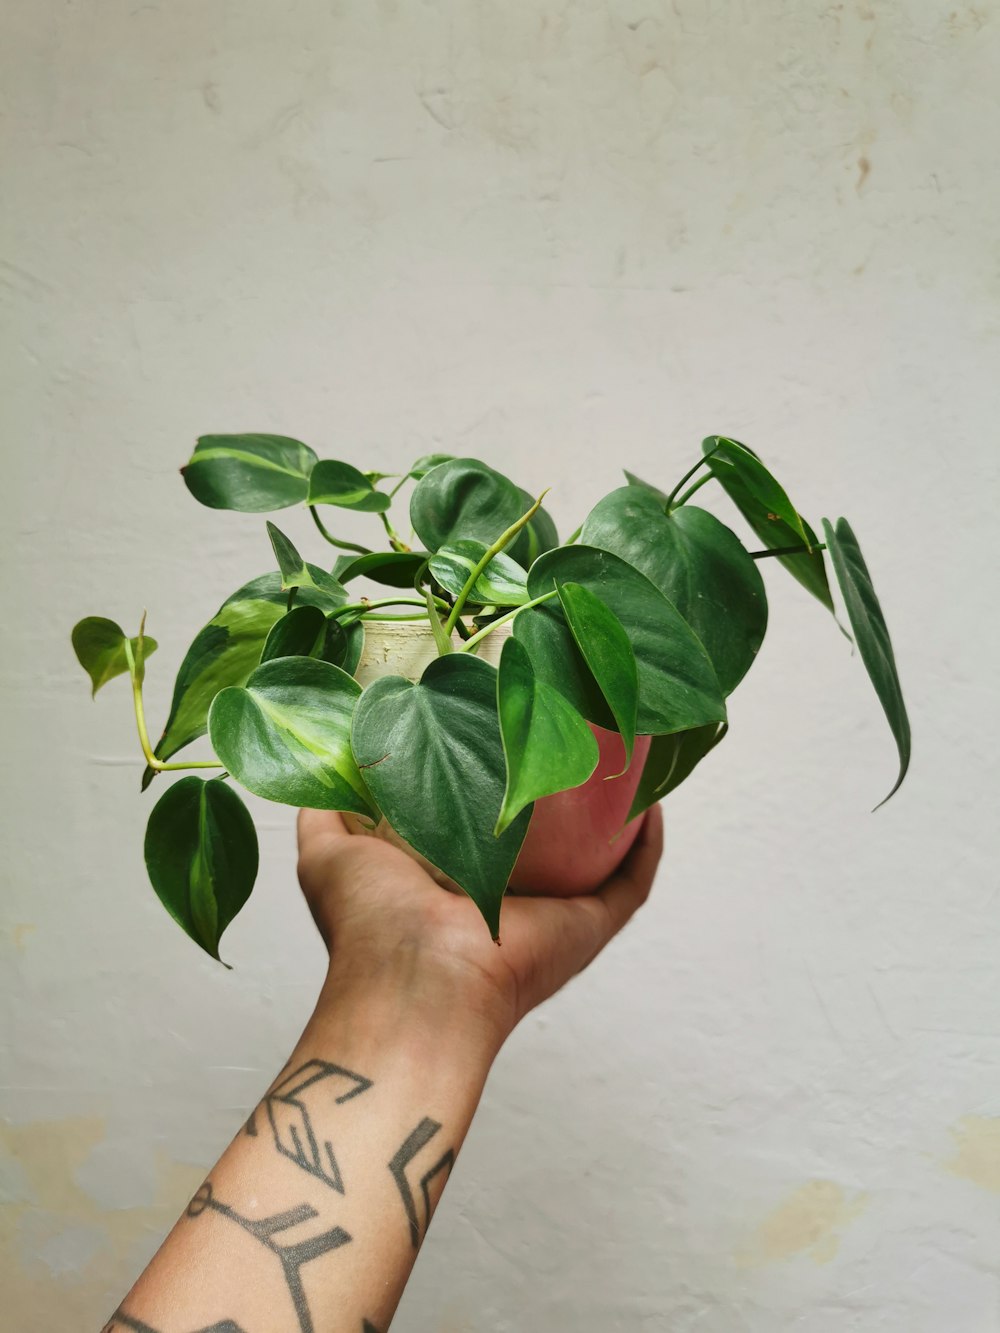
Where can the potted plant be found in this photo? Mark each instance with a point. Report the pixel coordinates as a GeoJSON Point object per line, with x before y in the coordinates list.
{"type": "Point", "coordinates": [507, 707]}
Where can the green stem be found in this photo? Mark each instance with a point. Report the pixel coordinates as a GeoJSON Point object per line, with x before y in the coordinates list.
{"type": "Point", "coordinates": [787, 550]}
{"type": "Point", "coordinates": [395, 540]}
{"type": "Point", "coordinates": [702, 481]}
{"type": "Point", "coordinates": [335, 541]}
{"type": "Point", "coordinates": [503, 540]}
{"type": "Point", "coordinates": [136, 672]}
{"type": "Point", "coordinates": [442, 635]}
{"type": "Point", "coordinates": [687, 477]}
{"type": "Point", "coordinates": [419, 615]}
{"type": "Point", "coordinates": [502, 620]}
{"type": "Point", "coordinates": [367, 605]}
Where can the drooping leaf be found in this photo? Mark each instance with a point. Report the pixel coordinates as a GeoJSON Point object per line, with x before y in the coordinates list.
{"type": "Point", "coordinates": [678, 688]}
{"type": "Point", "coordinates": [536, 537]}
{"type": "Point", "coordinates": [432, 755]}
{"type": "Point", "coordinates": [463, 499]}
{"type": "Point", "coordinates": [697, 563]}
{"type": "Point", "coordinates": [633, 480]}
{"type": "Point", "coordinates": [253, 473]}
{"type": "Point", "coordinates": [502, 583]}
{"type": "Point", "coordinates": [394, 569]}
{"type": "Point", "coordinates": [774, 530]}
{"type": "Point", "coordinates": [227, 649]}
{"type": "Point", "coordinates": [286, 735]}
{"type": "Point", "coordinates": [201, 855]}
{"type": "Point", "coordinates": [333, 483]}
{"type": "Point", "coordinates": [871, 634]}
{"type": "Point", "coordinates": [601, 638]}
{"type": "Point", "coordinates": [670, 760]}
{"type": "Point", "coordinates": [306, 632]}
{"type": "Point", "coordinates": [99, 645]}
{"type": "Point", "coordinates": [728, 458]}
{"type": "Point", "coordinates": [547, 745]}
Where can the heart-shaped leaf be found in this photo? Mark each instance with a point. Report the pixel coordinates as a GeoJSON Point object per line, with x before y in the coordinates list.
{"type": "Point", "coordinates": [433, 757]}
{"type": "Point", "coordinates": [252, 473]}
{"type": "Point", "coordinates": [771, 525]}
{"type": "Point", "coordinates": [306, 632]}
{"type": "Point", "coordinates": [502, 583]}
{"type": "Point", "coordinates": [463, 499]}
{"type": "Point", "coordinates": [871, 634]}
{"type": "Point", "coordinates": [227, 649]}
{"type": "Point", "coordinates": [547, 745]}
{"type": "Point", "coordinates": [201, 854]}
{"type": "Point", "coordinates": [394, 569]}
{"type": "Point", "coordinates": [333, 483]}
{"type": "Point", "coordinates": [601, 638]}
{"type": "Point", "coordinates": [286, 735]}
{"type": "Point", "coordinates": [697, 563]}
{"type": "Point", "coordinates": [670, 760]}
{"type": "Point", "coordinates": [678, 688]}
{"type": "Point", "coordinates": [99, 645]}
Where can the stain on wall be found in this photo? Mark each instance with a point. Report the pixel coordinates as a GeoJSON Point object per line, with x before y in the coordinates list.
{"type": "Point", "coordinates": [808, 1222]}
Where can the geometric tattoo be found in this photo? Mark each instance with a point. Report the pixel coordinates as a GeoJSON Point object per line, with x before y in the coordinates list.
{"type": "Point", "coordinates": [413, 1145]}
{"type": "Point", "coordinates": [288, 1111]}
{"type": "Point", "coordinates": [291, 1256]}
{"type": "Point", "coordinates": [120, 1320]}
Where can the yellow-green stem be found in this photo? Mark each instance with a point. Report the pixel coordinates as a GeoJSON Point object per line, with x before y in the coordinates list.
{"type": "Point", "coordinates": [502, 620]}
{"type": "Point", "coordinates": [503, 540]}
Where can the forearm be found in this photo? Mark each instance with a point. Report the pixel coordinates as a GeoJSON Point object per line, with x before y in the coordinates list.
{"type": "Point", "coordinates": [313, 1217]}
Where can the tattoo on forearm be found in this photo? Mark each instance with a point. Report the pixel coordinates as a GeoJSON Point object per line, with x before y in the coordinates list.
{"type": "Point", "coordinates": [411, 1148]}
{"type": "Point", "coordinates": [293, 1256]}
{"type": "Point", "coordinates": [291, 1108]}
{"type": "Point", "coordinates": [121, 1320]}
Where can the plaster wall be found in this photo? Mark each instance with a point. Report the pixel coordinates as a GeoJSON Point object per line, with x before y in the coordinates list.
{"type": "Point", "coordinates": [565, 238]}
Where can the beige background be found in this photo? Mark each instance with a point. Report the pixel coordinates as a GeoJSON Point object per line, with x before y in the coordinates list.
{"type": "Point", "coordinates": [564, 238]}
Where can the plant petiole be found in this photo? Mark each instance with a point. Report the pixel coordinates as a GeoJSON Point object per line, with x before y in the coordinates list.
{"type": "Point", "coordinates": [787, 550]}
{"type": "Point", "coordinates": [672, 497]}
{"type": "Point", "coordinates": [395, 540]}
{"type": "Point", "coordinates": [502, 620]}
{"type": "Point", "coordinates": [702, 481]}
{"type": "Point", "coordinates": [335, 541]}
{"type": "Point", "coordinates": [503, 540]}
{"type": "Point", "coordinates": [136, 671]}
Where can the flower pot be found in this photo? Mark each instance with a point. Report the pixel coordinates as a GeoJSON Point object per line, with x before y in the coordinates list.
{"type": "Point", "coordinates": [576, 838]}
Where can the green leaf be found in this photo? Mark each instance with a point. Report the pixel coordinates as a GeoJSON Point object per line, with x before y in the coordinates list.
{"type": "Point", "coordinates": [201, 854]}
{"type": "Point", "coordinates": [425, 462]}
{"type": "Point", "coordinates": [394, 569]}
{"type": "Point", "coordinates": [295, 573]}
{"type": "Point", "coordinates": [333, 483]}
{"type": "Point", "coordinates": [697, 563]}
{"type": "Point", "coordinates": [502, 583]}
{"type": "Point", "coordinates": [99, 645]}
{"type": "Point", "coordinates": [774, 530]}
{"type": "Point", "coordinates": [547, 745]}
{"type": "Point", "coordinates": [605, 646]}
{"type": "Point", "coordinates": [286, 735]}
{"type": "Point", "coordinates": [536, 537]}
{"type": "Point", "coordinates": [633, 480]}
{"type": "Point", "coordinates": [678, 688]}
{"type": "Point", "coordinates": [227, 649]}
{"type": "Point", "coordinates": [670, 760]}
{"type": "Point", "coordinates": [306, 632]}
{"type": "Point", "coordinates": [728, 458]}
{"type": "Point", "coordinates": [463, 499]}
{"type": "Point", "coordinates": [433, 757]}
{"type": "Point", "coordinates": [871, 634]}
{"type": "Point", "coordinates": [252, 473]}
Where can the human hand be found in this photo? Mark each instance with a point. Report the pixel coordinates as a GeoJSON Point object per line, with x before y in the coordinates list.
{"type": "Point", "coordinates": [390, 927]}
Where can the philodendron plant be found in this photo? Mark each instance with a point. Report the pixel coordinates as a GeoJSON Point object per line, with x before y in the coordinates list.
{"type": "Point", "coordinates": [642, 622]}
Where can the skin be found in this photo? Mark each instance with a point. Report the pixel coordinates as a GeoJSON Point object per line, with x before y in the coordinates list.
{"type": "Point", "coordinates": [313, 1217]}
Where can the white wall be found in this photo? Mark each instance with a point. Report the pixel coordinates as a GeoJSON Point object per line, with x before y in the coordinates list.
{"type": "Point", "coordinates": [564, 238]}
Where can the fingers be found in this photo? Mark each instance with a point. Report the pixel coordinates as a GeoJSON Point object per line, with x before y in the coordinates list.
{"type": "Point", "coordinates": [316, 826]}
{"type": "Point", "coordinates": [629, 887]}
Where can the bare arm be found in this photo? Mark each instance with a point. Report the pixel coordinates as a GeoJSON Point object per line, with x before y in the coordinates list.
{"type": "Point", "coordinates": [312, 1218]}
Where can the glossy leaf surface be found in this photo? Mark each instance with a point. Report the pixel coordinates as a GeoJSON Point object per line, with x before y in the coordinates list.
{"type": "Point", "coordinates": [306, 632]}
{"type": "Point", "coordinates": [633, 480]}
{"type": "Point", "coordinates": [678, 688]}
{"type": "Point", "coordinates": [201, 855]}
{"type": "Point", "coordinates": [871, 634]}
{"type": "Point", "coordinates": [333, 483]}
{"type": "Point", "coordinates": [606, 649]}
{"type": "Point", "coordinates": [99, 645]}
{"type": "Point", "coordinates": [432, 755]}
{"type": "Point", "coordinates": [286, 735]}
{"type": "Point", "coordinates": [547, 745]}
{"type": "Point", "coordinates": [697, 563]}
{"type": "Point", "coordinates": [729, 459]}
{"type": "Point", "coordinates": [463, 499]}
{"type": "Point", "coordinates": [227, 649]}
{"type": "Point", "coordinates": [502, 583]}
{"type": "Point", "coordinates": [394, 569]}
{"type": "Point", "coordinates": [253, 473]}
{"type": "Point", "coordinates": [774, 530]}
{"type": "Point", "coordinates": [296, 573]}
{"type": "Point", "coordinates": [671, 759]}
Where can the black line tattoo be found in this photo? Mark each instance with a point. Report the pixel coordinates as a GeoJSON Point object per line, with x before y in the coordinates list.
{"type": "Point", "coordinates": [121, 1320]}
{"type": "Point", "coordinates": [368, 1327]}
{"type": "Point", "coordinates": [413, 1145]}
{"type": "Point", "coordinates": [288, 1113]}
{"type": "Point", "coordinates": [293, 1256]}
